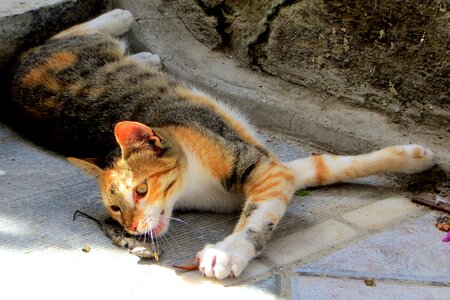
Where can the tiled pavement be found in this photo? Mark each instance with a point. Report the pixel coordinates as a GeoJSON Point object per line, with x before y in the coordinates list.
{"type": "Point", "coordinates": [327, 244]}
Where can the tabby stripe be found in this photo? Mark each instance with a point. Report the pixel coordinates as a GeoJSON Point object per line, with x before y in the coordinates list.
{"type": "Point", "coordinates": [162, 172]}
{"type": "Point", "coordinates": [261, 188]}
{"type": "Point", "coordinates": [169, 186]}
{"type": "Point", "coordinates": [271, 195]}
{"type": "Point", "coordinates": [247, 172]}
{"type": "Point", "coordinates": [321, 168]}
{"type": "Point", "coordinates": [288, 177]}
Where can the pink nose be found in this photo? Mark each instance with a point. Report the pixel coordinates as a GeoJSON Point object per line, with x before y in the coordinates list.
{"type": "Point", "coordinates": [133, 226]}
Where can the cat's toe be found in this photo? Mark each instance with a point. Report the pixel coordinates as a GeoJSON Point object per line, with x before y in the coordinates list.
{"type": "Point", "coordinates": [147, 58]}
{"type": "Point", "coordinates": [220, 263]}
{"type": "Point", "coordinates": [416, 158]}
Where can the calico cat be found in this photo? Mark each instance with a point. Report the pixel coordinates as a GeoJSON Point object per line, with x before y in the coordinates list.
{"type": "Point", "coordinates": [161, 144]}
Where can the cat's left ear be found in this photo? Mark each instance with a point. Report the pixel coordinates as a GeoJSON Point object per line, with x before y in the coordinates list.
{"type": "Point", "coordinates": [133, 136]}
{"type": "Point", "coordinates": [87, 165]}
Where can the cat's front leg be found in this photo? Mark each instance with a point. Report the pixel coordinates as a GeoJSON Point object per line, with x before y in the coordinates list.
{"type": "Point", "coordinates": [268, 192]}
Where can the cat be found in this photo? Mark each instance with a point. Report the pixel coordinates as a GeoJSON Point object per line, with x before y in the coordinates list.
{"type": "Point", "coordinates": [160, 144]}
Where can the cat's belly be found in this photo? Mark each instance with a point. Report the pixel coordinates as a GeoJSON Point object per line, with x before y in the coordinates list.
{"type": "Point", "coordinates": [211, 199]}
{"type": "Point", "coordinates": [203, 191]}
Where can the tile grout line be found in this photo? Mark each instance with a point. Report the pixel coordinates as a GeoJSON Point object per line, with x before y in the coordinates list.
{"type": "Point", "coordinates": [362, 276]}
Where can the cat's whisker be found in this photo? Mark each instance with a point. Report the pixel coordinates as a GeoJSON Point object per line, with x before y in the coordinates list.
{"type": "Point", "coordinates": [153, 241]}
{"type": "Point", "coordinates": [176, 219]}
{"type": "Point", "coordinates": [176, 242]}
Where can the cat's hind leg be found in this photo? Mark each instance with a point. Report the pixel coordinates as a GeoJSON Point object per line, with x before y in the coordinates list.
{"type": "Point", "coordinates": [327, 169]}
{"type": "Point", "coordinates": [115, 23]}
{"type": "Point", "coordinates": [147, 58]}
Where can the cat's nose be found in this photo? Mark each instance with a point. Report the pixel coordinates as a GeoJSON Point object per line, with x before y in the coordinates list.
{"type": "Point", "coordinates": [133, 227]}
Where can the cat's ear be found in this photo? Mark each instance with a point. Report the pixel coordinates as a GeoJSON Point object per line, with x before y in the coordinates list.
{"type": "Point", "coordinates": [132, 136]}
{"type": "Point", "coordinates": [87, 165]}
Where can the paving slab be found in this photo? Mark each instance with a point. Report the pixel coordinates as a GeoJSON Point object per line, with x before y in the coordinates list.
{"type": "Point", "coordinates": [306, 287]}
{"type": "Point", "coordinates": [305, 242]}
{"type": "Point", "coordinates": [411, 252]}
{"type": "Point", "coordinates": [270, 286]}
{"type": "Point", "coordinates": [376, 215]}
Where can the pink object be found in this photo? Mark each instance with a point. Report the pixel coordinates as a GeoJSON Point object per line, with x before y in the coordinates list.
{"type": "Point", "coordinates": [447, 238]}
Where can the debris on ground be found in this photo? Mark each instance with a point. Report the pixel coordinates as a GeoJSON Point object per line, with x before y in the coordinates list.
{"type": "Point", "coordinates": [302, 193]}
{"type": "Point", "coordinates": [192, 267]}
{"type": "Point", "coordinates": [369, 281]}
{"type": "Point", "coordinates": [435, 201]}
{"type": "Point", "coordinates": [135, 245]}
{"type": "Point", "coordinates": [443, 223]}
{"type": "Point", "coordinates": [86, 248]}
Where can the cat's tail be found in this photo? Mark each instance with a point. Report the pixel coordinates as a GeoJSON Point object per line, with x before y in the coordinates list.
{"type": "Point", "coordinates": [326, 169]}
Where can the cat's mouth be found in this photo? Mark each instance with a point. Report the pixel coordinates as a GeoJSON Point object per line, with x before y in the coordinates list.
{"type": "Point", "coordinates": [159, 228]}
{"type": "Point", "coordinates": [145, 227]}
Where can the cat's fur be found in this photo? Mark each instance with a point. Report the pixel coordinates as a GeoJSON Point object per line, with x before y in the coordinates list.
{"type": "Point", "coordinates": [178, 147]}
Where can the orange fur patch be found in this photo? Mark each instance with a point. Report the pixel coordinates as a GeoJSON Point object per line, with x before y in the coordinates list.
{"type": "Point", "coordinates": [321, 168]}
{"type": "Point", "coordinates": [39, 76]}
{"type": "Point", "coordinates": [241, 224]}
{"type": "Point", "coordinates": [211, 154]}
{"type": "Point", "coordinates": [76, 30]}
{"type": "Point", "coordinates": [206, 101]}
{"type": "Point", "coordinates": [52, 102]}
{"type": "Point", "coordinates": [417, 153]}
{"type": "Point", "coordinates": [261, 188]}
{"type": "Point", "coordinates": [283, 174]}
{"type": "Point", "coordinates": [271, 195]}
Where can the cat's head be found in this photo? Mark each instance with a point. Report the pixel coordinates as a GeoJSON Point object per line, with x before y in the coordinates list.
{"type": "Point", "coordinates": [140, 190]}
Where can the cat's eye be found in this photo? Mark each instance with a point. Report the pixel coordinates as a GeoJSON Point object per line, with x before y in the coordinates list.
{"type": "Point", "coordinates": [141, 189]}
{"type": "Point", "coordinates": [115, 208]}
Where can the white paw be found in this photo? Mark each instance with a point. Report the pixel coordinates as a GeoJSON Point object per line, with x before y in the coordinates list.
{"type": "Point", "coordinates": [115, 22]}
{"type": "Point", "coordinates": [147, 57]}
{"type": "Point", "coordinates": [225, 259]}
{"type": "Point", "coordinates": [415, 158]}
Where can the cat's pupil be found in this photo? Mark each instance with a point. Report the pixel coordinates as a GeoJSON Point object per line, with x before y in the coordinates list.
{"type": "Point", "coordinates": [115, 208]}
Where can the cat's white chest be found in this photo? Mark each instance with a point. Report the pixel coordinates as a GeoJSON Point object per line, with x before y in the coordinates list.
{"type": "Point", "coordinates": [204, 192]}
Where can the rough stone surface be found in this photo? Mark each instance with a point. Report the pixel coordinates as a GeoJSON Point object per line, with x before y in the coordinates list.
{"type": "Point", "coordinates": [195, 18]}
{"type": "Point", "coordinates": [412, 251]}
{"type": "Point", "coordinates": [390, 57]}
{"type": "Point", "coordinates": [305, 287]}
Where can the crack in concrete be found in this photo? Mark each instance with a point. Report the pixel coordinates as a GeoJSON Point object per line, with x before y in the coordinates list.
{"type": "Point", "coordinates": [155, 18]}
{"type": "Point", "coordinates": [255, 48]}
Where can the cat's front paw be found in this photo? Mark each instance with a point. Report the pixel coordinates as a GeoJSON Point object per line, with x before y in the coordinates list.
{"type": "Point", "coordinates": [227, 258]}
